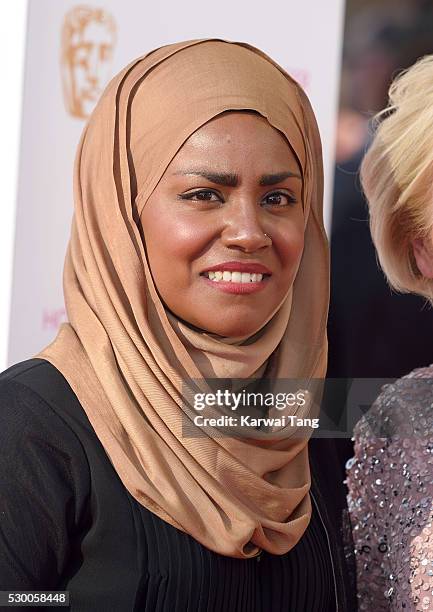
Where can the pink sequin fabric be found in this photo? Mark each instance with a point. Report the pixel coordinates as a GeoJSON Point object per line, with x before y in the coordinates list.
{"type": "Point", "coordinates": [390, 481]}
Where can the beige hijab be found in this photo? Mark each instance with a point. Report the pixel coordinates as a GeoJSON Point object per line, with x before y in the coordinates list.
{"type": "Point", "coordinates": [127, 358]}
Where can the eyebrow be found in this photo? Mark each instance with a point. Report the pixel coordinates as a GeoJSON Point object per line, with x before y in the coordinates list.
{"type": "Point", "coordinates": [230, 179]}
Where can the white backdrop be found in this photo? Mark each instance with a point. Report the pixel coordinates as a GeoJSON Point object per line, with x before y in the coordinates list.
{"type": "Point", "coordinates": [305, 38]}
{"type": "Point", "coordinates": [12, 41]}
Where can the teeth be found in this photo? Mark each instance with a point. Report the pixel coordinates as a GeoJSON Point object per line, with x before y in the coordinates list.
{"type": "Point", "coordinates": [234, 277]}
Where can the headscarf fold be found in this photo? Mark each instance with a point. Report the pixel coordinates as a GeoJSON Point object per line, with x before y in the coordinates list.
{"type": "Point", "coordinates": [127, 357]}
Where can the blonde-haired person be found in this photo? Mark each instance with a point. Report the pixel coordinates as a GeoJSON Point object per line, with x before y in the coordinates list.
{"type": "Point", "coordinates": [390, 478]}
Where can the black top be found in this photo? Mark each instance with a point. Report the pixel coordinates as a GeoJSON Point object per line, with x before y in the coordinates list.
{"type": "Point", "coordinates": [68, 523]}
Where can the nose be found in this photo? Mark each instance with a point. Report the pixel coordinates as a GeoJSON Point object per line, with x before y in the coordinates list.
{"type": "Point", "coordinates": [243, 228]}
{"type": "Point", "coordinates": [92, 68]}
{"type": "Point", "coordinates": [92, 80]}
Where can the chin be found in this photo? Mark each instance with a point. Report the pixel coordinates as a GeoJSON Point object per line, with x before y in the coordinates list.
{"type": "Point", "coordinates": [235, 329]}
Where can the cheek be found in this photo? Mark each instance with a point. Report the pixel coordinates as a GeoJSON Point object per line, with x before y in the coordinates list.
{"type": "Point", "coordinates": [173, 242]}
{"type": "Point", "coordinates": [289, 242]}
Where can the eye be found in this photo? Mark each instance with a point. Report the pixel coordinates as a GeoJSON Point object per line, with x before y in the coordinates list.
{"type": "Point", "coordinates": [280, 199]}
{"type": "Point", "coordinates": [202, 195]}
{"type": "Point", "coordinates": [80, 56]}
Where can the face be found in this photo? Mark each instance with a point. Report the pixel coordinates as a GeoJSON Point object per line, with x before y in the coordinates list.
{"type": "Point", "coordinates": [224, 228]}
{"type": "Point", "coordinates": [90, 63]}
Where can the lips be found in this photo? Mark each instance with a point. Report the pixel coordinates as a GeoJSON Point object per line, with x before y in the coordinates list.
{"type": "Point", "coordinates": [239, 266]}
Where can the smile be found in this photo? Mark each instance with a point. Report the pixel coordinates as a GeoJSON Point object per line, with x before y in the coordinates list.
{"type": "Point", "coordinates": [234, 277]}
{"type": "Point", "coordinates": [236, 282]}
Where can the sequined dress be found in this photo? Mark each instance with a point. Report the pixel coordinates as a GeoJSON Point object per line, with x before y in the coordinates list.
{"type": "Point", "coordinates": [390, 481]}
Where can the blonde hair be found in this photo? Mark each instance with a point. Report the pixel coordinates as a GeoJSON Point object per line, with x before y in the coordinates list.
{"type": "Point", "coordinates": [397, 177]}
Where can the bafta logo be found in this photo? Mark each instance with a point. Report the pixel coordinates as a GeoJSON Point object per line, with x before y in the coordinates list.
{"type": "Point", "coordinates": [88, 39]}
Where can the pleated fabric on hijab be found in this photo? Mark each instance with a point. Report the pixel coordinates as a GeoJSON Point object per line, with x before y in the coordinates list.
{"type": "Point", "coordinates": [127, 358]}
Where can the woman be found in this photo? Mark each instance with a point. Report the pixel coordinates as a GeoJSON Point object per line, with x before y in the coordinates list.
{"type": "Point", "coordinates": [197, 252]}
{"type": "Point", "coordinates": [390, 478]}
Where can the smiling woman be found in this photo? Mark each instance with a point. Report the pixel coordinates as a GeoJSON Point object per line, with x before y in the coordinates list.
{"type": "Point", "coordinates": [197, 253]}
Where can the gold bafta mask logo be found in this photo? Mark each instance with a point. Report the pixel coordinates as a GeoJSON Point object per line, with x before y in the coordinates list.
{"type": "Point", "coordinates": [88, 39]}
